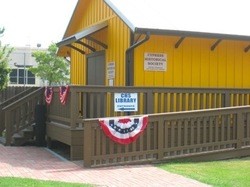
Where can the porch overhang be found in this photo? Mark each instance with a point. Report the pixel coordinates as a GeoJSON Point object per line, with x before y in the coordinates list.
{"type": "Point", "coordinates": [85, 33]}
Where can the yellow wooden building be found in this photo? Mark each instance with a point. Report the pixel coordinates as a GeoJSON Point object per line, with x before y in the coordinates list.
{"type": "Point", "coordinates": [158, 43]}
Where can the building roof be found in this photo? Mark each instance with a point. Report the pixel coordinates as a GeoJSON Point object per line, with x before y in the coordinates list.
{"type": "Point", "coordinates": [201, 18]}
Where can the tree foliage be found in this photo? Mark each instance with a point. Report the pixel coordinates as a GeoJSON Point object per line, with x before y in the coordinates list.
{"type": "Point", "coordinates": [5, 52]}
{"type": "Point", "coordinates": [51, 67]}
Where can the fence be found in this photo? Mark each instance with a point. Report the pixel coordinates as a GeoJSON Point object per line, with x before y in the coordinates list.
{"type": "Point", "coordinates": [98, 101]}
{"type": "Point", "coordinates": [173, 135]}
{"type": "Point", "coordinates": [20, 113]}
{"type": "Point", "coordinates": [10, 101]}
{"type": "Point", "coordinates": [11, 91]}
{"type": "Point", "coordinates": [66, 123]}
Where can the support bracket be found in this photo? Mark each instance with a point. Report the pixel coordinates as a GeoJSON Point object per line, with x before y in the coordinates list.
{"type": "Point", "coordinates": [178, 43]}
{"type": "Point", "coordinates": [215, 44]}
{"type": "Point", "coordinates": [97, 42]}
{"type": "Point", "coordinates": [77, 49]}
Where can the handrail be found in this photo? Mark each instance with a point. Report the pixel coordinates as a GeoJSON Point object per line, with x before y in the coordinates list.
{"type": "Point", "coordinates": [9, 101]}
{"type": "Point", "coordinates": [10, 106]}
{"type": "Point", "coordinates": [20, 113]}
{"type": "Point", "coordinates": [12, 91]}
{"type": "Point", "coordinates": [98, 101]}
{"type": "Point", "coordinates": [173, 135]}
{"type": "Point", "coordinates": [21, 94]}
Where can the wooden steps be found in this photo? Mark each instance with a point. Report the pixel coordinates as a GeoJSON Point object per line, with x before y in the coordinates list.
{"type": "Point", "coordinates": [23, 137]}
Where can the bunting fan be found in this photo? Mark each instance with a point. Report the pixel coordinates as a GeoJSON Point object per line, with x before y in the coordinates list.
{"type": "Point", "coordinates": [124, 130]}
{"type": "Point", "coordinates": [64, 90]}
{"type": "Point", "coordinates": [48, 94]}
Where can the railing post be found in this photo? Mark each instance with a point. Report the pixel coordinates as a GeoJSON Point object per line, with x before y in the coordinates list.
{"type": "Point", "coordinates": [150, 102]}
{"type": "Point", "coordinates": [73, 108]}
{"type": "Point", "coordinates": [8, 133]}
{"type": "Point", "coordinates": [160, 137]}
{"type": "Point", "coordinates": [87, 144]}
{"type": "Point", "coordinates": [240, 129]}
{"type": "Point", "coordinates": [227, 99]}
{"type": "Point", "coordinates": [84, 107]}
{"type": "Point", "coordinates": [2, 126]}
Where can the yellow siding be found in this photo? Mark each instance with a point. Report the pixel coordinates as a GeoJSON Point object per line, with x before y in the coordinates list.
{"type": "Point", "coordinates": [116, 36]}
{"type": "Point", "coordinates": [193, 64]}
{"type": "Point", "coordinates": [118, 42]}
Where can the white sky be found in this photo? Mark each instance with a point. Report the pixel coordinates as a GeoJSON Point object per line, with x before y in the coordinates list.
{"type": "Point", "coordinates": [213, 16]}
{"type": "Point", "coordinates": [29, 22]}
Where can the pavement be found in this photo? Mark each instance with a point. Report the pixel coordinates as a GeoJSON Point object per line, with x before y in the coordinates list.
{"type": "Point", "coordinates": [42, 163]}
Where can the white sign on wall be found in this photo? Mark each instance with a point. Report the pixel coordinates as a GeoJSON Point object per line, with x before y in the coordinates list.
{"type": "Point", "coordinates": [111, 70]}
{"type": "Point", "coordinates": [155, 61]}
{"type": "Point", "coordinates": [126, 102]}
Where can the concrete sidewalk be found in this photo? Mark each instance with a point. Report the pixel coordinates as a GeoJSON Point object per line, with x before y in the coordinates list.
{"type": "Point", "coordinates": [40, 163]}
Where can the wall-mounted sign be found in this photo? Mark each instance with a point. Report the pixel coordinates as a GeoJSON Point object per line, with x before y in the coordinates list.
{"type": "Point", "coordinates": [126, 102]}
{"type": "Point", "coordinates": [110, 70]}
{"type": "Point", "coordinates": [155, 62]}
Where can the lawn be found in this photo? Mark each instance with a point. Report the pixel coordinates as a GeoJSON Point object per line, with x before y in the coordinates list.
{"type": "Point", "coordinates": [227, 173]}
{"type": "Point", "coordinates": [22, 182]}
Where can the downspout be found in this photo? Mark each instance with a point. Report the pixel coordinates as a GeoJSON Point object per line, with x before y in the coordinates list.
{"type": "Point", "coordinates": [129, 61]}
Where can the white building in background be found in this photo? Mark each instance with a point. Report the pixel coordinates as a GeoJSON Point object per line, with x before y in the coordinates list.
{"type": "Point", "coordinates": [20, 61]}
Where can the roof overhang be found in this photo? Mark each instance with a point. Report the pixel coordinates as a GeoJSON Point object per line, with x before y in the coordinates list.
{"type": "Point", "coordinates": [191, 34]}
{"type": "Point", "coordinates": [84, 33]}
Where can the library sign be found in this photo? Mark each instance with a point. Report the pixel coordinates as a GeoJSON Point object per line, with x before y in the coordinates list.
{"type": "Point", "coordinates": [126, 102]}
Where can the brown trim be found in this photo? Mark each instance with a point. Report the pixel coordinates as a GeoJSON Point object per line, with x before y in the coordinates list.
{"type": "Point", "coordinates": [178, 43]}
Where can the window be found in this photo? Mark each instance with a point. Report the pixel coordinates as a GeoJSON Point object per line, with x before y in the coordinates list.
{"type": "Point", "coordinates": [19, 76]}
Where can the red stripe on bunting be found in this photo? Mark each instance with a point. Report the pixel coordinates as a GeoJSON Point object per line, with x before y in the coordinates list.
{"type": "Point", "coordinates": [63, 94]}
{"type": "Point", "coordinates": [48, 94]}
{"type": "Point", "coordinates": [124, 130]}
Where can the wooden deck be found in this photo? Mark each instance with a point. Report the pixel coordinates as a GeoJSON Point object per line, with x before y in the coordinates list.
{"type": "Point", "coordinates": [183, 123]}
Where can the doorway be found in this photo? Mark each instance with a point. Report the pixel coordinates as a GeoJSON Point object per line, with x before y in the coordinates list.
{"type": "Point", "coordinates": [96, 68]}
{"type": "Point", "coordinates": [95, 76]}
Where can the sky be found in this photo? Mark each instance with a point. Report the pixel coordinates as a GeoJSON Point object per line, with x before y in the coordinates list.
{"type": "Point", "coordinates": [32, 22]}
{"type": "Point", "coordinates": [212, 16]}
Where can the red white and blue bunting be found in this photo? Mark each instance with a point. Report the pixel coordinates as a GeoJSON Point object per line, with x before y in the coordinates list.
{"type": "Point", "coordinates": [63, 94]}
{"type": "Point", "coordinates": [124, 130]}
{"type": "Point", "coordinates": [48, 94]}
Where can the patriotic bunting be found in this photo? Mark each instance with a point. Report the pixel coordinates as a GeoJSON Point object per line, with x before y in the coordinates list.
{"type": "Point", "coordinates": [63, 93]}
{"type": "Point", "coordinates": [124, 130]}
{"type": "Point", "coordinates": [48, 94]}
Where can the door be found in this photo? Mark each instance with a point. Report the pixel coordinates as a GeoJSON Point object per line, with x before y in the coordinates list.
{"type": "Point", "coordinates": [96, 68]}
{"type": "Point", "coordinates": [95, 76]}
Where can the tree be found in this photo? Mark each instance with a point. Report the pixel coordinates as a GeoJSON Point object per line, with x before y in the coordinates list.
{"type": "Point", "coordinates": [51, 67]}
{"type": "Point", "coordinates": [5, 52]}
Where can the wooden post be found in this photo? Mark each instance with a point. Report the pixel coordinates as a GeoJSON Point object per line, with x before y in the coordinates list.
{"type": "Point", "coordinates": [8, 133]}
{"type": "Point", "coordinates": [160, 137]}
{"type": "Point", "coordinates": [2, 126]}
{"type": "Point", "coordinates": [73, 108]}
{"type": "Point", "coordinates": [87, 144]}
{"type": "Point", "coordinates": [227, 100]}
{"type": "Point", "coordinates": [240, 129]}
{"type": "Point", "coordinates": [84, 107]}
{"type": "Point", "coordinates": [150, 102]}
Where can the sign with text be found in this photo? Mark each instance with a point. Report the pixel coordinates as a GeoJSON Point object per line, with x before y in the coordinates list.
{"type": "Point", "coordinates": [111, 70]}
{"type": "Point", "coordinates": [155, 62]}
{"type": "Point", "coordinates": [126, 102]}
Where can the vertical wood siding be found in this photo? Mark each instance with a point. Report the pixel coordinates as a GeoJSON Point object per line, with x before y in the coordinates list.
{"type": "Point", "coordinates": [193, 64]}
{"type": "Point", "coordinates": [116, 36]}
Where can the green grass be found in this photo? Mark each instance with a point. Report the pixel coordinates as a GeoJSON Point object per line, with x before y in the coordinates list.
{"type": "Point", "coordinates": [23, 182]}
{"type": "Point", "coordinates": [227, 173]}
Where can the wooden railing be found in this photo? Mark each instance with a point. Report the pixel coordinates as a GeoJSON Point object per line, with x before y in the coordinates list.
{"type": "Point", "coordinates": [11, 91]}
{"type": "Point", "coordinates": [20, 113]}
{"type": "Point", "coordinates": [12, 100]}
{"type": "Point", "coordinates": [173, 135]}
{"type": "Point", "coordinates": [98, 101]}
